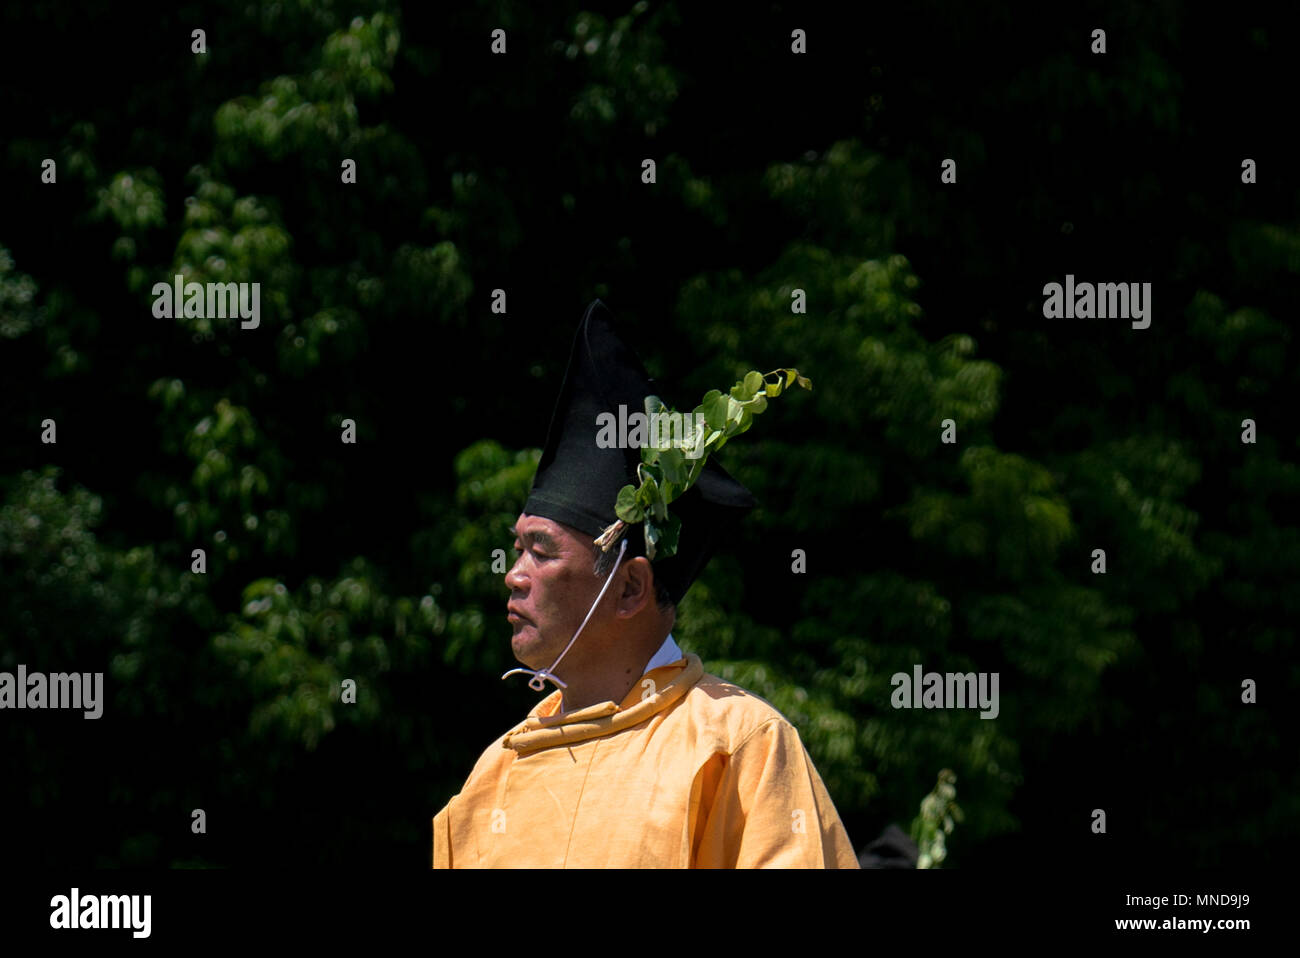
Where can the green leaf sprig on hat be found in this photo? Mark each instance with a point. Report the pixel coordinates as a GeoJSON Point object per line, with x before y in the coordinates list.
{"type": "Point", "coordinates": [668, 468]}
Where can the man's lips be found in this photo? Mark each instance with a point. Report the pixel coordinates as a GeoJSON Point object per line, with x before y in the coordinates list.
{"type": "Point", "coordinates": [512, 613]}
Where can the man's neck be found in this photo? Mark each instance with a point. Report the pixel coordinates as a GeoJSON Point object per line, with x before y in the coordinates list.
{"type": "Point", "coordinates": [609, 685]}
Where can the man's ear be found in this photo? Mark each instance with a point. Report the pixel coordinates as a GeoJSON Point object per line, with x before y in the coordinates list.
{"type": "Point", "coordinates": [638, 588]}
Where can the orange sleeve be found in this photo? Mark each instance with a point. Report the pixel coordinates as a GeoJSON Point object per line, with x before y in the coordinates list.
{"type": "Point", "coordinates": [770, 808]}
{"type": "Point", "coordinates": [442, 839]}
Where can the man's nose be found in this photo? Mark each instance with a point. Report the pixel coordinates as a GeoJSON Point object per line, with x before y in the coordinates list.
{"type": "Point", "coordinates": [515, 580]}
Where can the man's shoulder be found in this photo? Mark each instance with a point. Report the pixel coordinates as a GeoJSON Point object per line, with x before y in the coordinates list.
{"type": "Point", "coordinates": [494, 754]}
{"type": "Point", "coordinates": [728, 712]}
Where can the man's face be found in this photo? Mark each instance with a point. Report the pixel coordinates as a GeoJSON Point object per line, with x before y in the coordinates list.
{"type": "Point", "coordinates": [552, 585]}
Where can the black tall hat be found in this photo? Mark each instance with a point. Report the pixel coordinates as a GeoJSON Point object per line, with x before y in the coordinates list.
{"type": "Point", "coordinates": [577, 481]}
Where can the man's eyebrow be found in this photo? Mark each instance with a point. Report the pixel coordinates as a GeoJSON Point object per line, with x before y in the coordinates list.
{"type": "Point", "coordinates": [544, 539]}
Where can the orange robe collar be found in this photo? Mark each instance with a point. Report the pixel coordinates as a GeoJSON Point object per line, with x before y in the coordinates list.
{"type": "Point", "coordinates": [543, 729]}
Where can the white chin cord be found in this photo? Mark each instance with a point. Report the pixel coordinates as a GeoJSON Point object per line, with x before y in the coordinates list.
{"type": "Point", "coordinates": [540, 677]}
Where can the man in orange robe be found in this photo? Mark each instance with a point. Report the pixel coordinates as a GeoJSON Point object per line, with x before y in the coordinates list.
{"type": "Point", "coordinates": [639, 758]}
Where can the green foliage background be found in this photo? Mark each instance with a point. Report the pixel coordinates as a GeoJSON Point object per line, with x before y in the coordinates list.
{"type": "Point", "coordinates": [372, 561]}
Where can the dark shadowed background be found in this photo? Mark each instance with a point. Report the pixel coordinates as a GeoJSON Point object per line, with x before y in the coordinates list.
{"type": "Point", "coordinates": [774, 172]}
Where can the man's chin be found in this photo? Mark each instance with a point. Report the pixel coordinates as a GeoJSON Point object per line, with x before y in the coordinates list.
{"type": "Point", "coordinates": [525, 644]}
